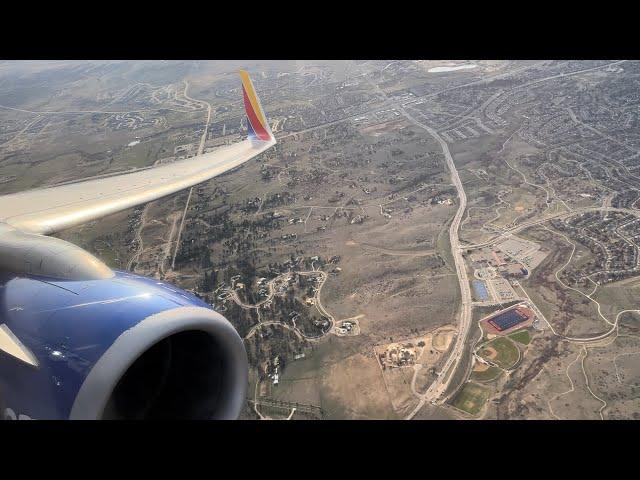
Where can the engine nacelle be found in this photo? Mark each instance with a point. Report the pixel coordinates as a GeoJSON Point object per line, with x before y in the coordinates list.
{"type": "Point", "coordinates": [126, 347]}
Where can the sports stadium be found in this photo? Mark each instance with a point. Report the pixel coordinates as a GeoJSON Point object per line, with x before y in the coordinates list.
{"type": "Point", "coordinates": [507, 320]}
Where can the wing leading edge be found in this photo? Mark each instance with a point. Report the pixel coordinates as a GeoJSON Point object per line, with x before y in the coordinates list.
{"type": "Point", "coordinates": [48, 210]}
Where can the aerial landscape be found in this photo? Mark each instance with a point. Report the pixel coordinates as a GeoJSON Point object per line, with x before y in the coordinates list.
{"type": "Point", "coordinates": [427, 240]}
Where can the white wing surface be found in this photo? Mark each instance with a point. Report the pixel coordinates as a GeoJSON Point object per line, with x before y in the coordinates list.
{"type": "Point", "coordinates": [48, 210]}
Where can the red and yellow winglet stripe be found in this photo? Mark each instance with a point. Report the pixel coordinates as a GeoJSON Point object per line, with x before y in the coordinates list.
{"type": "Point", "coordinates": [258, 125]}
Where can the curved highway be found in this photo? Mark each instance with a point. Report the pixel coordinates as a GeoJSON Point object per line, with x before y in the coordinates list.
{"type": "Point", "coordinates": [441, 383]}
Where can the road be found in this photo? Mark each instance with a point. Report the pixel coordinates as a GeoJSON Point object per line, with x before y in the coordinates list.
{"type": "Point", "coordinates": [12, 139]}
{"type": "Point", "coordinates": [184, 215]}
{"type": "Point", "coordinates": [274, 322]}
{"type": "Point", "coordinates": [138, 239]}
{"type": "Point", "coordinates": [233, 294]}
{"type": "Point", "coordinates": [203, 139]}
{"type": "Point", "coordinates": [105, 112]}
{"type": "Point", "coordinates": [441, 383]}
{"type": "Point", "coordinates": [166, 250]}
{"type": "Point", "coordinates": [138, 236]}
{"type": "Point", "coordinates": [318, 302]}
{"type": "Point", "coordinates": [556, 216]}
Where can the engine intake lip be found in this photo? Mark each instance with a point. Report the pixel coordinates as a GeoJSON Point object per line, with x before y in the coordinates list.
{"type": "Point", "coordinates": [103, 378]}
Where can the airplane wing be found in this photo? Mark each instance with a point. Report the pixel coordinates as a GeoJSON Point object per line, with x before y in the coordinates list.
{"type": "Point", "coordinates": [48, 210]}
{"type": "Point", "coordinates": [80, 340]}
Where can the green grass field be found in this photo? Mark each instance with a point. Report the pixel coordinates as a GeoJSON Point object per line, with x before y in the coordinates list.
{"type": "Point", "coordinates": [507, 354]}
{"type": "Point", "coordinates": [471, 398]}
{"type": "Point", "coordinates": [521, 336]}
{"type": "Point", "coordinates": [487, 375]}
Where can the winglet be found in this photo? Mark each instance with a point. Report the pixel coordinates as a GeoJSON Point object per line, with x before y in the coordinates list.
{"type": "Point", "coordinates": [256, 121]}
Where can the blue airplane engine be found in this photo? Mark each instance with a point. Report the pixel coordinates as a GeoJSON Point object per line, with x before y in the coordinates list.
{"type": "Point", "coordinates": [126, 347]}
